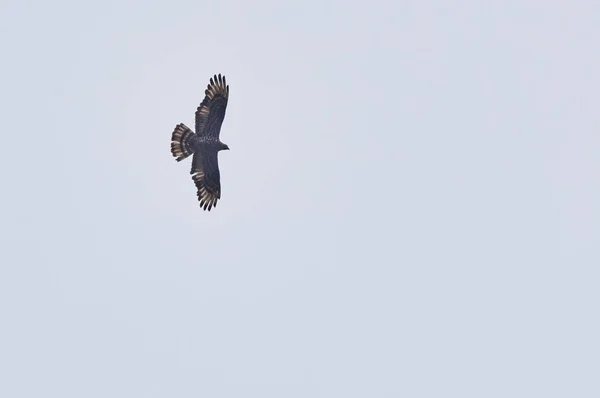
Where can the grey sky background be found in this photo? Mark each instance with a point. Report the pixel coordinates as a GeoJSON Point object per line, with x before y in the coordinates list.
{"type": "Point", "coordinates": [409, 208]}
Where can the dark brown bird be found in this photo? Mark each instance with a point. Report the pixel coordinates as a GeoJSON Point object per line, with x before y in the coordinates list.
{"type": "Point", "coordinates": [204, 144]}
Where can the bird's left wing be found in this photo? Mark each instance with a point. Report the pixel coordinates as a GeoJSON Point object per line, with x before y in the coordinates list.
{"type": "Point", "coordinates": [211, 112]}
{"type": "Point", "coordinates": [206, 176]}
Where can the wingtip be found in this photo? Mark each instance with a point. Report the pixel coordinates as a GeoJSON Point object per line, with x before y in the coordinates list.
{"type": "Point", "coordinates": [217, 84]}
{"type": "Point", "coordinates": [218, 80]}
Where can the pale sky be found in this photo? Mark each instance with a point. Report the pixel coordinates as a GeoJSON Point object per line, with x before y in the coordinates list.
{"type": "Point", "coordinates": [410, 206]}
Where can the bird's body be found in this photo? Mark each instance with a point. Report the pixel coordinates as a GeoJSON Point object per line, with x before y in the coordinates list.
{"type": "Point", "coordinates": [207, 142]}
{"type": "Point", "coordinates": [204, 144]}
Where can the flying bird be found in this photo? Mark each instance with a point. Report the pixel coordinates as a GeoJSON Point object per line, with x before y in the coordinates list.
{"type": "Point", "coordinates": [204, 144]}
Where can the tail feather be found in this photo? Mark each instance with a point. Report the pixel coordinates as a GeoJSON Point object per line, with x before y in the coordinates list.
{"type": "Point", "coordinates": [182, 142]}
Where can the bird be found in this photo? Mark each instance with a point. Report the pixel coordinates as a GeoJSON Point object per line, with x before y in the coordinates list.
{"type": "Point", "coordinates": [204, 144]}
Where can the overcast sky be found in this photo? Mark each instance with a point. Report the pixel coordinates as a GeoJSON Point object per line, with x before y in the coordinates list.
{"type": "Point", "coordinates": [410, 206]}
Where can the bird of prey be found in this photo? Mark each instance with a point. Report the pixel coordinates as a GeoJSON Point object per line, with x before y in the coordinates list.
{"type": "Point", "coordinates": [204, 144]}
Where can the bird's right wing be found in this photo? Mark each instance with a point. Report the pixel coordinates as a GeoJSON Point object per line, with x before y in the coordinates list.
{"type": "Point", "coordinates": [206, 176]}
{"type": "Point", "coordinates": [211, 112]}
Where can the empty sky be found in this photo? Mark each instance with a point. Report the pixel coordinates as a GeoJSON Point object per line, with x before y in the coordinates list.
{"type": "Point", "coordinates": [410, 204]}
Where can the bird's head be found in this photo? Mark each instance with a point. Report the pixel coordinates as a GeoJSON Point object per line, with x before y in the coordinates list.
{"type": "Point", "coordinates": [223, 147]}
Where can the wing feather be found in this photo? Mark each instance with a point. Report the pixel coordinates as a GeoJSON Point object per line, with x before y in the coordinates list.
{"type": "Point", "coordinates": [207, 178]}
{"type": "Point", "coordinates": [211, 111]}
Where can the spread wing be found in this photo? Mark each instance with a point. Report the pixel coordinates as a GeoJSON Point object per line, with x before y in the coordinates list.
{"type": "Point", "coordinates": [211, 112]}
{"type": "Point", "coordinates": [206, 176]}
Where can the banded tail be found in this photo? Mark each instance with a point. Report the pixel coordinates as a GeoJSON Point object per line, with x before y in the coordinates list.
{"type": "Point", "coordinates": [182, 142]}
